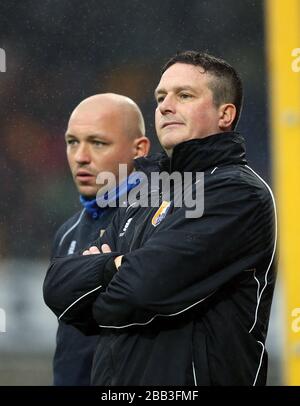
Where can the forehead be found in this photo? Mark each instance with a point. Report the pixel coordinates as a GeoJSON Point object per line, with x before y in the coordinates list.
{"type": "Point", "coordinates": [106, 122]}
{"type": "Point", "coordinates": [182, 75]}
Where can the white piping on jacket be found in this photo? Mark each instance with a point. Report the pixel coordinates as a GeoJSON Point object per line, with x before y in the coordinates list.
{"type": "Point", "coordinates": [194, 374]}
{"type": "Point", "coordinates": [274, 248]}
{"type": "Point", "coordinates": [162, 315]}
{"type": "Point", "coordinates": [259, 295]}
{"type": "Point", "coordinates": [77, 300]}
{"type": "Point", "coordinates": [71, 228]}
{"type": "Point", "coordinates": [260, 362]}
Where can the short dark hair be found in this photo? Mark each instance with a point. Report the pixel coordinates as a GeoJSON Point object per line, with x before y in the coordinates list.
{"type": "Point", "coordinates": [227, 86]}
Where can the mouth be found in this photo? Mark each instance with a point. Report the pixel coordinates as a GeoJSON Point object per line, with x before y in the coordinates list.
{"type": "Point", "coordinates": [84, 176]}
{"type": "Point", "coordinates": [171, 123]}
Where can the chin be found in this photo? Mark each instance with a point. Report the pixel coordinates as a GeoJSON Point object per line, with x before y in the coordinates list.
{"type": "Point", "coordinates": [167, 143]}
{"type": "Point", "coordinates": [87, 192]}
{"type": "Point", "coordinates": [170, 140]}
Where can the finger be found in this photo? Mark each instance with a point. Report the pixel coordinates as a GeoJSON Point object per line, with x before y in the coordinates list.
{"type": "Point", "coordinates": [86, 252]}
{"type": "Point", "coordinates": [105, 248]}
{"type": "Point", "coordinates": [118, 261]}
{"type": "Point", "coordinates": [94, 250]}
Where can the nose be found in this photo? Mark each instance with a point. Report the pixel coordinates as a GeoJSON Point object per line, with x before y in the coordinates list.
{"type": "Point", "coordinates": [82, 154]}
{"type": "Point", "coordinates": [167, 105]}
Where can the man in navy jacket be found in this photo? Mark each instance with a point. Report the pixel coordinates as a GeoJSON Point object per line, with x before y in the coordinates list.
{"type": "Point", "coordinates": [104, 130]}
{"type": "Point", "coordinates": [182, 300]}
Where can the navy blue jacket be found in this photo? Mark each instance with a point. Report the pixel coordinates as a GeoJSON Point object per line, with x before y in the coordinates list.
{"type": "Point", "coordinates": [74, 352]}
{"type": "Point", "coordinates": [191, 301]}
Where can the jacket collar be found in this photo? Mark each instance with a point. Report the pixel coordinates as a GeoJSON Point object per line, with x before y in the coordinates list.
{"type": "Point", "coordinates": [216, 150]}
{"type": "Point", "coordinates": [198, 154]}
{"type": "Point", "coordinates": [95, 211]}
{"type": "Point", "coordinates": [157, 162]}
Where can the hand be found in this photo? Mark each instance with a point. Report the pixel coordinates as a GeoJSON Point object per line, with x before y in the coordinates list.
{"type": "Point", "coordinates": [92, 250]}
{"type": "Point", "coordinates": [118, 261]}
{"type": "Point", "coordinates": [105, 248]}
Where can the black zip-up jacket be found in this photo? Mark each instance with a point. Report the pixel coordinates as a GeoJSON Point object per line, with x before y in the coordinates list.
{"type": "Point", "coordinates": [72, 362]}
{"type": "Point", "coordinates": [191, 301]}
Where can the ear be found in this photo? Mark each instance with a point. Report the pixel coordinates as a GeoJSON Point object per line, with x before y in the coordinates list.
{"type": "Point", "coordinates": [141, 146]}
{"type": "Point", "coordinates": [227, 114]}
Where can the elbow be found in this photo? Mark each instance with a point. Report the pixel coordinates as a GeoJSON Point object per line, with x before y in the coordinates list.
{"type": "Point", "coordinates": [52, 290]}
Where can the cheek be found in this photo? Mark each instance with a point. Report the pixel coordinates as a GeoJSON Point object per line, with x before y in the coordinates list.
{"type": "Point", "coordinates": [157, 118]}
{"type": "Point", "coordinates": [124, 153]}
{"type": "Point", "coordinates": [202, 114]}
{"type": "Point", "coordinates": [110, 160]}
{"type": "Point", "coordinates": [103, 163]}
{"type": "Point", "coordinates": [71, 161]}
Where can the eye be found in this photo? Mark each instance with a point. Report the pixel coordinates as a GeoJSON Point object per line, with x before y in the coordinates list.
{"type": "Point", "coordinates": [160, 99]}
{"type": "Point", "coordinates": [98, 143]}
{"type": "Point", "coordinates": [185, 96]}
{"type": "Point", "coordinates": [71, 141]}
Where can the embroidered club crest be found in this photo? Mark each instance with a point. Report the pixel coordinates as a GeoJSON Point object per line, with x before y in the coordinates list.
{"type": "Point", "coordinates": [161, 213]}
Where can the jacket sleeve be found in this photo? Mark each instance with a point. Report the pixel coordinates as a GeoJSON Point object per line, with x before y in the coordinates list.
{"type": "Point", "coordinates": [187, 260]}
{"type": "Point", "coordinates": [72, 282]}
{"type": "Point", "coordinates": [55, 244]}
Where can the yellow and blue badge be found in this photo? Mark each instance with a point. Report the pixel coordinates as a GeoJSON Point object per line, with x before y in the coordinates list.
{"type": "Point", "coordinates": [161, 213]}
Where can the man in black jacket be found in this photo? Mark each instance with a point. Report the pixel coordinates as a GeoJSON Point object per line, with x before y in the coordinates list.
{"type": "Point", "coordinates": [182, 300]}
{"type": "Point", "coordinates": [103, 131]}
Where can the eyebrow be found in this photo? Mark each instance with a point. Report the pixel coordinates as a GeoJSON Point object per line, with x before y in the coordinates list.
{"type": "Point", "coordinates": [91, 136]}
{"type": "Point", "coordinates": [176, 89]}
